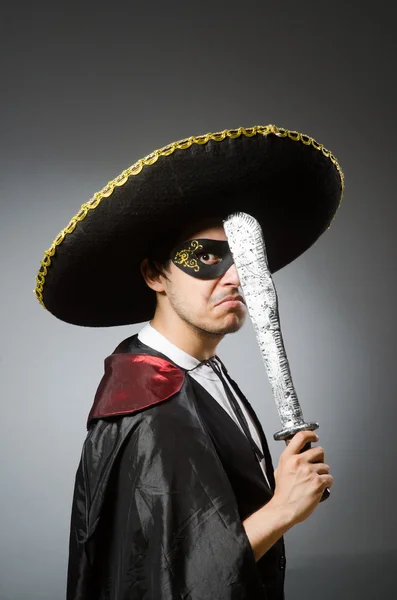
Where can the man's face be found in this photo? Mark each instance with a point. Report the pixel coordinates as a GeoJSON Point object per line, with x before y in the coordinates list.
{"type": "Point", "coordinates": [213, 306]}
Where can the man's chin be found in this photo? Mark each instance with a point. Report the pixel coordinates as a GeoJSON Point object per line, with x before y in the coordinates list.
{"type": "Point", "coordinates": [232, 327]}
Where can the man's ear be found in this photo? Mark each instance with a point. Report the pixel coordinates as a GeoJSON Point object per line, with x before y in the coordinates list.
{"type": "Point", "coordinates": [153, 278]}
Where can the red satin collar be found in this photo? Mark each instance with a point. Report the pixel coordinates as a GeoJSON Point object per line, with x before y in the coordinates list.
{"type": "Point", "coordinates": [133, 382]}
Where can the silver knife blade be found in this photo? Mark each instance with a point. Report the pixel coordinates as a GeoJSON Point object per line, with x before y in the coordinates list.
{"type": "Point", "coordinates": [247, 245]}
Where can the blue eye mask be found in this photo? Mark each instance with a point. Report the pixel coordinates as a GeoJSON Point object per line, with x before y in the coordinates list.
{"type": "Point", "coordinates": [202, 258]}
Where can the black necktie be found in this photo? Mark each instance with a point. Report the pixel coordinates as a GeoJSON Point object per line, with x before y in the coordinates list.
{"type": "Point", "coordinates": [223, 376]}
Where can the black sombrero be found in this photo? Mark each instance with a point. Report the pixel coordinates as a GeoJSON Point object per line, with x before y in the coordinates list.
{"type": "Point", "coordinates": [286, 180]}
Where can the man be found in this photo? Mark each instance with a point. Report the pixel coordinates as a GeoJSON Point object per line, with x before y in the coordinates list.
{"type": "Point", "coordinates": [175, 494]}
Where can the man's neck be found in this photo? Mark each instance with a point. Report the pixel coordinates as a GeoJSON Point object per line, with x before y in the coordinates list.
{"type": "Point", "coordinates": [200, 344]}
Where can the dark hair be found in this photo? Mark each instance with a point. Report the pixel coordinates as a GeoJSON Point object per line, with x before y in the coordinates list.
{"type": "Point", "coordinates": [159, 255]}
{"type": "Point", "coordinates": [159, 267]}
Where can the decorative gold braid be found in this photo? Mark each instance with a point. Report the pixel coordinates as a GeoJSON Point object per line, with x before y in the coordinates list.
{"type": "Point", "coordinates": [137, 167]}
{"type": "Point", "coordinates": [184, 257]}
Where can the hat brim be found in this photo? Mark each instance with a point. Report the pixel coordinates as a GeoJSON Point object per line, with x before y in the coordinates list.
{"type": "Point", "coordinates": [291, 184]}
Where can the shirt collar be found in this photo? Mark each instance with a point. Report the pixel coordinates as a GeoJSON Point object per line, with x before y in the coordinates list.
{"type": "Point", "coordinates": [156, 340]}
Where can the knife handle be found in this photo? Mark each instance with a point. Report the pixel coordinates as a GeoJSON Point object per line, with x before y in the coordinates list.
{"type": "Point", "coordinates": [326, 492]}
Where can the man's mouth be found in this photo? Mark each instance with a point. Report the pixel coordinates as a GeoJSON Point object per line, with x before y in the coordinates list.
{"type": "Point", "coordinates": [232, 300]}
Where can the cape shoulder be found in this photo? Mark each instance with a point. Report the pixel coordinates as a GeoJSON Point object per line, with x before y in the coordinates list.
{"type": "Point", "coordinates": [133, 382]}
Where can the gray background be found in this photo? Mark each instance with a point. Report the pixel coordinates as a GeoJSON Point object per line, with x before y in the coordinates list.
{"type": "Point", "coordinates": [88, 91]}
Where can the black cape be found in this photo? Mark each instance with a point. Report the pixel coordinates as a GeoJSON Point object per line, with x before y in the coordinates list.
{"type": "Point", "coordinates": [165, 480]}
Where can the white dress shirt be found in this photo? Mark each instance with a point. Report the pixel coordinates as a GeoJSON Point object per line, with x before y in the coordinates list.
{"type": "Point", "coordinates": [204, 374]}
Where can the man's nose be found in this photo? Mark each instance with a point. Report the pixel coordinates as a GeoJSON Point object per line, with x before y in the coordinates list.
{"type": "Point", "coordinates": [231, 277]}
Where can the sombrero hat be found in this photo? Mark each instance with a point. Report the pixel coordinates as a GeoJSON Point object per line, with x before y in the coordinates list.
{"type": "Point", "coordinates": [291, 184]}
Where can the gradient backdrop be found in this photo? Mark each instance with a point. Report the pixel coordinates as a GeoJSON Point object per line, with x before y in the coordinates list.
{"type": "Point", "coordinates": [88, 91]}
